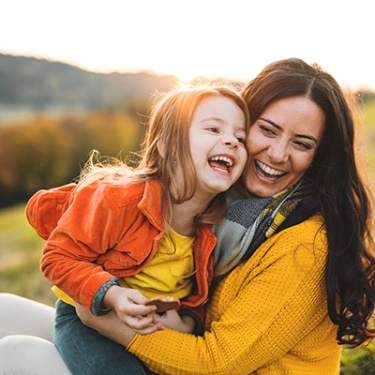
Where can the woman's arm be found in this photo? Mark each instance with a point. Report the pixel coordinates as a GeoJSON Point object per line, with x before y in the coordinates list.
{"type": "Point", "coordinates": [258, 313]}
{"type": "Point", "coordinates": [111, 326]}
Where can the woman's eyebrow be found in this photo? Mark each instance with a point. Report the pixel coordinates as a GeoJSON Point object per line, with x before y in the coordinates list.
{"type": "Point", "coordinates": [271, 122]}
{"type": "Point", "coordinates": [310, 137]}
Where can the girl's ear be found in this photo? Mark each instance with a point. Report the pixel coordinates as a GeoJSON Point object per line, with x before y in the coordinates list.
{"type": "Point", "coordinates": [161, 148]}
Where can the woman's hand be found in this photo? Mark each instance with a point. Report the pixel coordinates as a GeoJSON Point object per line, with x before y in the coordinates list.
{"type": "Point", "coordinates": [171, 319]}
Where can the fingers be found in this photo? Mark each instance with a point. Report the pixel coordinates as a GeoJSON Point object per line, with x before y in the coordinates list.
{"type": "Point", "coordinates": [150, 329]}
{"type": "Point", "coordinates": [137, 316]}
{"type": "Point", "coordinates": [131, 310]}
{"type": "Point", "coordinates": [144, 325]}
{"type": "Point", "coordinates": [129, 303]}
{"type": "Point", "coordinates": [138, 322]}
{"type": "Point", "coordinates": [136, 310]}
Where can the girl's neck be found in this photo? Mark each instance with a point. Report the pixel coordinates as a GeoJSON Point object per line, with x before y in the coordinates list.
{"type": "Point", "coordinates": [183, 216]}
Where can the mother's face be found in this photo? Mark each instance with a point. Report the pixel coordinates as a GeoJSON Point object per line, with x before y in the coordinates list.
{"type": "Point", "coordinates": [282, 144]}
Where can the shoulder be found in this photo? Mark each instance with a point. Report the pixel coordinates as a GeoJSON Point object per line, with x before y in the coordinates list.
{"type": "Point", "coordinates": [310, 231]}
{"type": "Point", "coordinates": [114, 193]}
{"type": "Point", "coordinates": [304, 244]}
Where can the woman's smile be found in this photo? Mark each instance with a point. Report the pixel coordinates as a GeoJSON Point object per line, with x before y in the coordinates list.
{"type": "Point", "coordinates": [267, 172]}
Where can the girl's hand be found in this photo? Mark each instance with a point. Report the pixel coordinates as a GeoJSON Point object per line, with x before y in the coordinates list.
{"type": "Point", "coordinates": [130, 309]}
{"type": "Point", "coordinates": [171, 319]}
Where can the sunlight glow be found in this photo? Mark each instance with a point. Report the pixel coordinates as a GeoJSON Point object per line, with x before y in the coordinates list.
{"type": "Point", "coordinates": [193, 38]}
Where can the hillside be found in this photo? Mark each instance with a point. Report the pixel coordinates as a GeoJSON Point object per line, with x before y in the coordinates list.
{"type": "Point", "coordinates": [40, 85]}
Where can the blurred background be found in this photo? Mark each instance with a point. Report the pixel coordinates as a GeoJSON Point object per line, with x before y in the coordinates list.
{"type": "Point", "coordinates": [82, 75]}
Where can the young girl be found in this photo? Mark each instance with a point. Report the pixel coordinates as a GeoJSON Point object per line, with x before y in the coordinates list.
{"type": "Point", "coordinates": [124, 235]}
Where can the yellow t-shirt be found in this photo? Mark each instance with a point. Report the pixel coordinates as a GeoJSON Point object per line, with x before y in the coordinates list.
{"type": "Point", "coordinates": [167, 274]}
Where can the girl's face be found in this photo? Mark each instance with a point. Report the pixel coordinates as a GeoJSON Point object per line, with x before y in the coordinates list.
{"type": "Point", "coordinates": [217, 143]}
{"type": "Point", "coordinates": [282, 144]}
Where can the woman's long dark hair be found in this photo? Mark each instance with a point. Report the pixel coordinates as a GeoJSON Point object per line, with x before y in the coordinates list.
{"type": "Point", "coordinates": [344, 198]}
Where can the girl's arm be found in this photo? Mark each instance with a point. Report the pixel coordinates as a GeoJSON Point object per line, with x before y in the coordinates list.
{"type": "Point", "coordinates": [84, 233]}
{"type": "Point", "coordinates": [86, 239]}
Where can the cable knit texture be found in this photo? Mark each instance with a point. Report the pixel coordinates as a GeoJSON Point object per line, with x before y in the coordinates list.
{"type": "Point", "coordinates": [269, 316]}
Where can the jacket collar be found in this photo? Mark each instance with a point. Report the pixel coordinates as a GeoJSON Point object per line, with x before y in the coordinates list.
{"type": "Point", "coordinates": [150, 204]}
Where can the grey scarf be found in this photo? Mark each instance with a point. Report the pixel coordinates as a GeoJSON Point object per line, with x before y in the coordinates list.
{"type": "Point", "coordinates": [250, 221]}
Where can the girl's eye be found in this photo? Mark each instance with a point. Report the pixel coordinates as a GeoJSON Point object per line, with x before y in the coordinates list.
{"type": "Point", "coordinates": [213, 129]}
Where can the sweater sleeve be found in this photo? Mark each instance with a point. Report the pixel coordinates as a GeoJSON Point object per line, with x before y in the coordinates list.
{"type": "Point", "coordinates": [89, 227]}
{"type": "Point", "coordinates": [258, 313]}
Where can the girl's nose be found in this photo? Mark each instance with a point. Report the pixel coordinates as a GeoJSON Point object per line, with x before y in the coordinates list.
{"type": "Point", "coordinates": [230, 140]}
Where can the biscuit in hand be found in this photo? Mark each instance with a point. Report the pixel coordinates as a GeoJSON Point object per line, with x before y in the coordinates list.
{"type": "Point", "coordinates": [163, 303]}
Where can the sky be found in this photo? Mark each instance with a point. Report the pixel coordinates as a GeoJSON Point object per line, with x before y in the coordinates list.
{"type": "Point", "coordinates": [231, 39]}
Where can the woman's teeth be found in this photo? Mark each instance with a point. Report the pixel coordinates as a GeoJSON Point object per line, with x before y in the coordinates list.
{"type": "Point", "coordinates": [272, 174]}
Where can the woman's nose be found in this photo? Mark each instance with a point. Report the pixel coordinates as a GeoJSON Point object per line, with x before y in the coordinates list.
{"type": "Point", "coordinates": [278, 152]}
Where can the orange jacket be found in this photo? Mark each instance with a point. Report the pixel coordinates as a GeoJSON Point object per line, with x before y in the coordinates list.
{"type": "Point", "coordinates": [104, 231]}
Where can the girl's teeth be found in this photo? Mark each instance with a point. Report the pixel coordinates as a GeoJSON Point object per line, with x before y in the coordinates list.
{"type": "Point", "coordinates": [224, 159]}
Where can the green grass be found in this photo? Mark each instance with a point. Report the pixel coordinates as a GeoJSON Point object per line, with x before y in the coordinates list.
{"type": "Point", "coordinates": [20, 252]}
{"type": "Point", "coordinates": [358, 361]}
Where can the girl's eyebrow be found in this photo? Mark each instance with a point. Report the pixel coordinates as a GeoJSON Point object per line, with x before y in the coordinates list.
{"type": "Point", "coordinates": [212, 118]}
{"type": "Point", "coordinates": [310, 137]}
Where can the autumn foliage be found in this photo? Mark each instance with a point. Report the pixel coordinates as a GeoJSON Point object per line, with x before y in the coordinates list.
{"type": "Point", "coordinates": [46, 151]}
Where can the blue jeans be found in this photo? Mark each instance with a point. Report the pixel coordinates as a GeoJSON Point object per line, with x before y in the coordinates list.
{"type": "Point", "coordinates": [86, 352]}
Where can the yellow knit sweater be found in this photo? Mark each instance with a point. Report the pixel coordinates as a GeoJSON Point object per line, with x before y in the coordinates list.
{"type": "Point", "coordinates": [269, 316]}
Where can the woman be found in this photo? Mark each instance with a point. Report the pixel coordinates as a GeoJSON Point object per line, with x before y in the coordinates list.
{"type": "Point", "coordinates": [289, 304]}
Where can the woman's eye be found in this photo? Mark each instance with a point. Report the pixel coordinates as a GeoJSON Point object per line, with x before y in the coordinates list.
{"type": "Point", "coordinates": [267, 130]}
{"type": "Point", "coordinates": [303, 145]}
